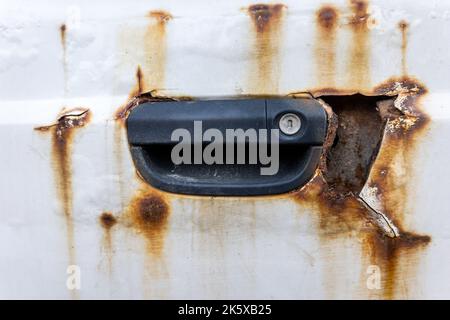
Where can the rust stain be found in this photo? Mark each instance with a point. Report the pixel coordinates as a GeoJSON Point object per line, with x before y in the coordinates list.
{"type": "Point", "coordinates": [62, 32]}
{"type": "Point", "coordinates": [359, 63]}
{"type": "Point", "coordinates": [341, 214]}
{"type": "Point", "coordinates": [394, 167]}
{"type": "Point", "coordinates": [267, 26]}
{"type": "Point", "coordinates": [63, 36]}
{"type": "Point", "coordinates": [149, 213]}
{"type": "Point", "coordinates": [62, 133]}
{"type": "Point", "coordinates": [123, 111]}
{"type": "Point", "coordinates": [155, 48]}
{"type": "Point", "coordinates": [140, 84]}
{"type": "Point", "coordinates": [390, 254]}
{"type": "Point", "coordinates": [108, 221]}
{"type": "Point", "coordinates": [403, 26]}
{"type": "Point", "coordinates": [327, 19]}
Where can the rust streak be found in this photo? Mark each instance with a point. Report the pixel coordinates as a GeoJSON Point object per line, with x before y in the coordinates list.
{"type": "Point", "coordinates": [63, 36]}
{"type": "Point", "coordinates": [403, 26]}
{"type": "Point", "coordinates": [267, 26]}
{"type": "Point", "coordinates": [359, 63]}
{"type": "Point", "coordinates": [108, 221]}
{"type": "Point", "coordinates": [62, 133]}
{"type": "Point", "coordinates": [325, 45]}
{"type": "Point", "coordinates": [155, 48]}
{"type": "Point", "coordinates": [149, 212]}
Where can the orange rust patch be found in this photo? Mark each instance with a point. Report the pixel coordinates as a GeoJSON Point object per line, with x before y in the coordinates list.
{"type": "Point", "coordinates": [341, 214]}
{"type": "Point", "coordinates": [267, 25]}
{"type": "Point", "coordinates": [264, 14]}
{"type": "Point", "coordinates": [325, 45]}
{"type": "Point", "coordinates": [359, 62]}
{"type": "Point", "coordinates": [155, 47]}
{"type": "Point", "coordinates": [149, 213]}
{"type": "Point", "coordinates": [62, 138]}
{"type": "Point", "coordinates": [161, 16]}
{"type": "Point", "coordinates": [393, 170]}
{"type": "Point", "coordinates": [403, 26]}
{"type": "Point", "coordinates": [388, 254]}
{"type": "Point", "coordinates": [107, 220]}
{"type": "Point", "coordinates": [327, 17]}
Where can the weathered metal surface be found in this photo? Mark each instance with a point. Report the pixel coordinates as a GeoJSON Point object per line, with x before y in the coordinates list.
{"type": "Point", "coordinates": [71, 196]}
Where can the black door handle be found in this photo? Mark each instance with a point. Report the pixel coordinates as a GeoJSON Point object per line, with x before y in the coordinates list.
{"type": "Point", "coordinates": [301, 125]}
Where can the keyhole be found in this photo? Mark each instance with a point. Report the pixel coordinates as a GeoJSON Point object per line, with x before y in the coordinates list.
{"type": "Point", "coordinates": [290, 123]}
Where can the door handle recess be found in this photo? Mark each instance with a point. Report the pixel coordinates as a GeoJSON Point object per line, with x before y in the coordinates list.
{"type": "Point", "coordinates": [301, 125]}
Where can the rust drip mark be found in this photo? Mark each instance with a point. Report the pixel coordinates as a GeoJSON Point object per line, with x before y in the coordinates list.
{"type": "Point", "coordinates": [108, 221]}
{"type": "Point", "coordinates": [62, 133]}
{"type": "Point", "coordinates": [140, 80]}
{"type": "Point", "coordinates": [149, 212]}
{"type": "Point", "coordinates": [388, 254]}
{"type": "Point", "coordinates": [325, 47]}
{"type": "Point", "coordinates": [63, 36]}
{"type": "Point", "coordinates": [267, 25]}
{"type": "Point", "coordinates": [155, 49]}
{"type": "Point", "coordinates": [62, 32]}
{"type": "Point", "coordinates": [403, 26]}
{"type": "Point", "coordinates": [337, 197]}
{"type": "Point", "coordinates": [359, 63]}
